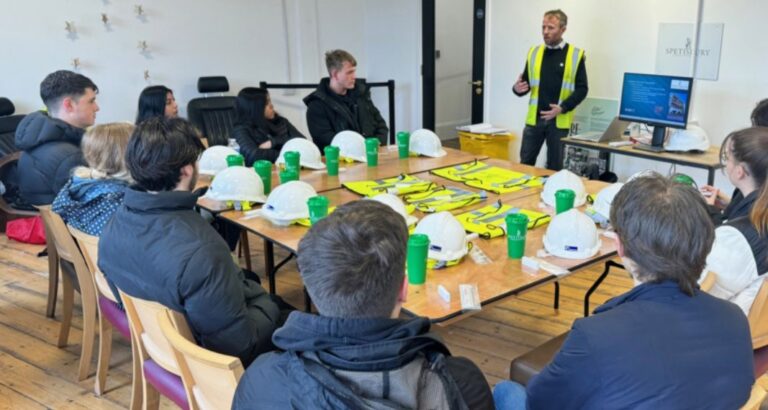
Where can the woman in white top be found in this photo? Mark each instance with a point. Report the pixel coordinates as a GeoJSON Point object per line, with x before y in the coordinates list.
{"type": "Point", "coordinates": [739, 255]}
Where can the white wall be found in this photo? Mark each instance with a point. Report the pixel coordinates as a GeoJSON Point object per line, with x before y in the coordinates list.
{"type": "Point", "coordinates": [267, 40]}
{"type": "Point", "coordinates": [620, 36]}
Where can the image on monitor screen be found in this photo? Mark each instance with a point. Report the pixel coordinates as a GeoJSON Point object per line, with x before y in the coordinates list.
{"type": "Point", "coordinates": [658, 100]}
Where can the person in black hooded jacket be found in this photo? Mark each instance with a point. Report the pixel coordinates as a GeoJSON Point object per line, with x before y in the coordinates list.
{"type": "Point", "coordinates": [156, 247]}
{"type": "Point", "coordinates": [357, 353]}
{"type": "Point", "coordinates": [342, 102]}
{"type": "Point", "coordinates": [50, 142]}
{"type": "Point", "coordinates": [258, 129]}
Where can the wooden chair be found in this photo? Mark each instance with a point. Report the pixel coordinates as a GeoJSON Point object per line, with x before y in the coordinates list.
{"type": "Point", "coordinates": [755, 399]}
{"type": "Point", "coordinates": [68, 252]}
{"type": "Point", "coordinates": [160, 372]}
{"type": "Point", "coordinates": [758, 317]}
{"type": "Point", "coordinates": [110, 316]}
{"type": "Point", "coordinates": [211, 377]}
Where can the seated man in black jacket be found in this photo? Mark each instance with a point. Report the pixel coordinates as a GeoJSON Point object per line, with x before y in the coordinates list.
{"type": "Point", "coordinates": [156, 247]}
{"type": "Point", "coordinates": [342, 102]}
{"type": "Point", "coordinates": [357, 353]}
{"type": "Point", "coordinates": [50, 142]}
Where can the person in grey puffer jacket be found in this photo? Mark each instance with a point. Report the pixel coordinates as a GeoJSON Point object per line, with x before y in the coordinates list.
{"type": "Point", "coordinates": [50, 142]}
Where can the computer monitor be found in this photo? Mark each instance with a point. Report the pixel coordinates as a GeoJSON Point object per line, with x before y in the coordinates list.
{"type": "Point", "coordinates": [658, 100]}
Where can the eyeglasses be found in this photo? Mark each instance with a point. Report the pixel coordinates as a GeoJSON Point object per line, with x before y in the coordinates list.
{"type": "Point", "coordinates": [724, 155]}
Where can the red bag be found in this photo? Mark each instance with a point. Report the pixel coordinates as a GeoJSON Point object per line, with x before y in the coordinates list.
{"type": "Point", "coordinates": [26, 230]}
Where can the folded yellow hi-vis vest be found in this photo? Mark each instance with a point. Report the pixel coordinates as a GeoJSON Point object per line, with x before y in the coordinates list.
{"type": "Point", "coordinates": [490, 178]}
{"type": "Point", "coordinates": [488, 221]}
{"type": "Point", "coordinates": [443, 198]}
{"type": "Point", "coordinates": [306, 222]}
{"type": "Point", "coordinates": [399, 185]}
{"type": "Point", "coordinates": [441, 264]}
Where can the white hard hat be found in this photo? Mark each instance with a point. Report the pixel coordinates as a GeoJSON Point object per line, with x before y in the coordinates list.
{"type": "Point", "coordinates": [214, 159]}
{"type": "Point", "coordinates": [693, 138]}
{"type": "Point", "coordinates": [447, 238]}
{"type": "Point", "coordinates": [309, 154]}
{"type": "Point", "coordinates": [426, 142]}
{"type": "Point", "coordinates": [564, 179]}
{"type": "Point", "coordinates": [604, 199]}
{"type": "Point", "coordinates": [394, 202]}
{"type": "Point", "coordinates": [288, 202]}
{"type": "Point", "coordinates": [237, 183]}
{"type": "Point", "coordinates": [572, 235]}
{"type": "Point", "coordinates": [351, 145]}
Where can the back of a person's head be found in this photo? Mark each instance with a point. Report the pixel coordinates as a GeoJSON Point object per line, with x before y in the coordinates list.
{"type": "Point", "coordinates": [760, 114]}
{"type": "Point", "coordinates": [749, 148]}
{"type": "Point", "coordinates": [334, 60]}
{"type": "Point", "coordinates": [104, 149]}
{"type": "Point", "coordinates": [249, 106]}
{"type": "Point", "coordinates": [353, 261]}
{"type": "Point", "coordinates": [665, 230]}
{"type": "Point", "coordinates": [63, 83]}
{"type": "Point", "coordinates": [152, 102]}
{"type": "Point", "coordinates": [158, 149]}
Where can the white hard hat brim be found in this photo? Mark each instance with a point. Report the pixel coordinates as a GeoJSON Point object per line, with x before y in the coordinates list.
{"type": "Point", "coordinates": [250, 198]}
{"type": "Point", "coordinates": [314, 165]}
{"type": "Point", "coordinates": [438, 154]}
{"type": "Point", "coordinates": [562, 253]}
{"type": "Point", "coordinates": [279, 218]}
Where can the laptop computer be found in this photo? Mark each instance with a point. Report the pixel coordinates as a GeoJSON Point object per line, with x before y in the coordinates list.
{"type": "Point", "coordinates": [613, 133]}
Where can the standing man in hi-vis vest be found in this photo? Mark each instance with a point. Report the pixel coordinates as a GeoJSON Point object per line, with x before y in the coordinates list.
{"type": "Point", "coordinates": [557, 79]}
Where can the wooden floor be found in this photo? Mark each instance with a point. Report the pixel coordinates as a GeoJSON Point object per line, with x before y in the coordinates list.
{"type": "Point", "coordinates": [34, 373]}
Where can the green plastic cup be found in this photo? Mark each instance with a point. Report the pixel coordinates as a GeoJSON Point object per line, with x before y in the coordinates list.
{"type": "Point", "coordinates": [372, 151]}
{"type": "Point", "coordinates": [684, 179]}
{"type": "Point", "coordinates": [332, 160]}
{"type": "Point", "coordinates": [288, 175]}
{"type": "Point", "coordinates": [235, 160]}
{"type": "Point", "coordinates": [564, 199]}
{"type": "Point", "coordinates": [263, 169]}
{"type": "Point", "coordinates": [293, 161]}
{"type": "Point", "coordinates": [416, 262]}
{"type": "Point", "coordinates": [318, 208]}
{"type": "Point", "coordinates": [403, 144]}
{"type": "Point", "coordinates": [517, 228]}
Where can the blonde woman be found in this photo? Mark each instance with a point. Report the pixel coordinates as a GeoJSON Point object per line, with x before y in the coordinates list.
{"type": "Point", "coordinates": [94, 193]}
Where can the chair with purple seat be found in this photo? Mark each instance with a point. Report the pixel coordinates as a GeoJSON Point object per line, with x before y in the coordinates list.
{"type": "Point", "coordinates": [758, 325]}
{"type": "Point", "coordinates": [110, 315]}
{"type": "Point", "coordinates": [159, 369]}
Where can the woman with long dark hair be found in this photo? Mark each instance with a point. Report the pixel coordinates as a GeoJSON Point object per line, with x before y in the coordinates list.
{"type": "Point", "coordinates": [739, 256]}
{"type": "Point", "coordinates": [258, 129]}
{"type": "Point", "coordinates": [156, 101]}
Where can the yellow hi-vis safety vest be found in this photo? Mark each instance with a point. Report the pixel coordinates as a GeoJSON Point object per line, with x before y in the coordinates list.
{"type": "Point", "coordinates": [572, 60]}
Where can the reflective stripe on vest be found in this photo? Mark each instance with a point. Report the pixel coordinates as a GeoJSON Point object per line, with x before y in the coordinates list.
{"type": "Point", "coordinates": [572, 60]}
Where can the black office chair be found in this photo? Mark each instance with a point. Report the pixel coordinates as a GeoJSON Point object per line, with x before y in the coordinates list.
{"type": "Point", "coordinates": [214, 116]}
{"type": "Point", "coordinates": [11, 205]}
{"type": "Point", "coordinates": [8, 125]}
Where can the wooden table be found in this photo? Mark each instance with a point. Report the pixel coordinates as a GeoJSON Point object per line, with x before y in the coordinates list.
{"type": "Point", "coordinates": [500, 279]}
{"type": "Point", "coordinates": [389, 166]}
{"type": "Point", "coordinates": [709, 160]}
{"type": "Point", "coordinates": [503, 277]}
